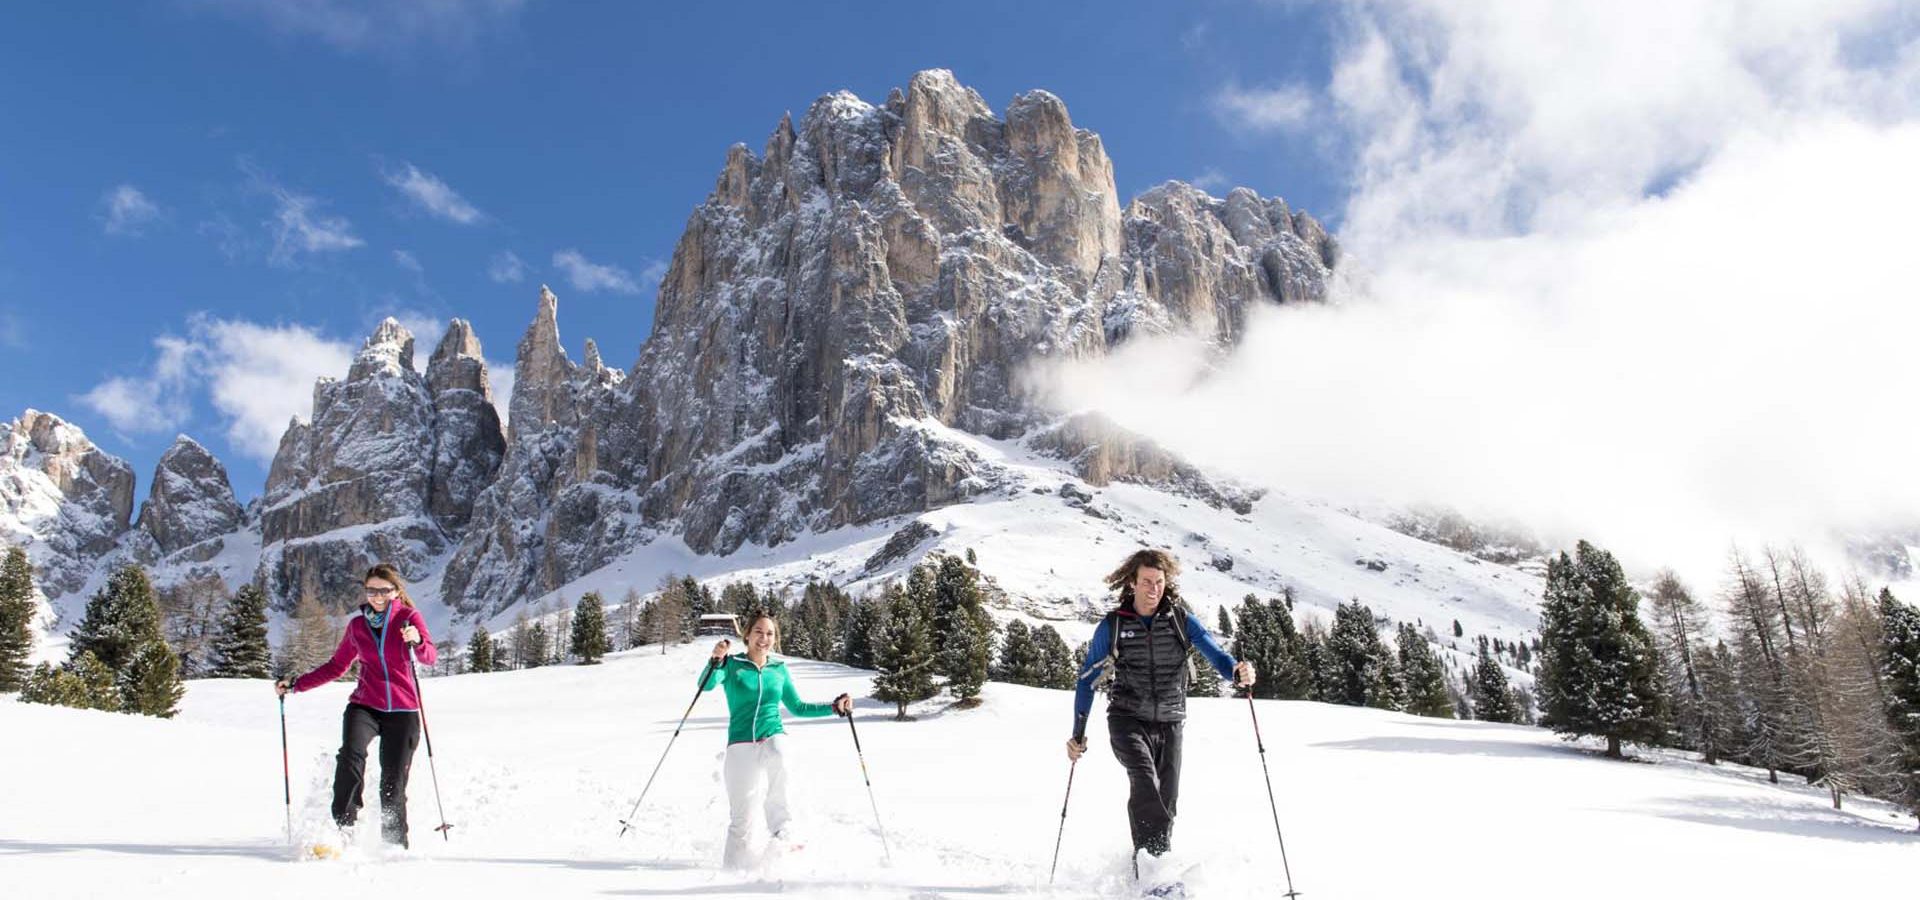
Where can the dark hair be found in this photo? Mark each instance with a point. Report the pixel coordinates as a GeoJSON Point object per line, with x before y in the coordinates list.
{"type": "Point", "coordinates": [387, 573]}
{"type": "Point", "coordinates": [1121, 579]}
{"type": "Point", "coordinates": [754, 617]}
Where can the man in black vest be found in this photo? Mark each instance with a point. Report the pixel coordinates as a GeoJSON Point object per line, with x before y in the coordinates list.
{"type": "Point", "coordinates": [1142, 645]}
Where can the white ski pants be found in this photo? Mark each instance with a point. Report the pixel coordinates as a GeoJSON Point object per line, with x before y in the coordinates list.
{"type": "Point", "coordinates": [754, 770]}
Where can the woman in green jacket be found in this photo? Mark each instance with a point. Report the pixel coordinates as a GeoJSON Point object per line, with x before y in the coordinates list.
{"type": "Point", "coordinates": [757, 685]}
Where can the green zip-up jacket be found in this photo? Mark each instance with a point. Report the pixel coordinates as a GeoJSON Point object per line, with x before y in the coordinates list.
{"type": "Point", "coordinates": [754, 696]}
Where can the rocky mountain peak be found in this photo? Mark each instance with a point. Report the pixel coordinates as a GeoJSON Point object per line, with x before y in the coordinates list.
{"type": "Point", "coordinates": [64, 499]}
{"type": "Point", "coordinates": [543, 375]}
{"type": "Point", "coordinates": [190, 500]}
{"type": "Point", "coordinates": [387, 351]}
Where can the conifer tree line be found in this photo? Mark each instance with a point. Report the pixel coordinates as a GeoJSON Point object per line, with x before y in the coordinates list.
{"type": "Point", "coordinates": [1793, 676]}
{"type": "Point", "coordinates": [924, 635]}
{"type": "Point", "coordinates": [1348, 663]}
{"type": "Point", "coordinates": [119, 658]}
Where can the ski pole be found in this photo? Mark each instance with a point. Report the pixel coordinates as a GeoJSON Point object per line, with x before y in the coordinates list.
{"type": "Point", "coordinates": [286, 776]}
{"type": "Point", "coordinates": [869, 780]}
{"type": "Point", "coordinates": [1262, 744]}
{"type": "Point", "coordinates": [1071, 767]}
{"type": "Point", "coordinates": [627, 822]}
{"type": "Point", "coordinates": [428, 734]}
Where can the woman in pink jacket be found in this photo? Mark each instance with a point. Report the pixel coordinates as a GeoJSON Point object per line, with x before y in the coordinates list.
{"type": "Point", "coordinates": [384, 703]}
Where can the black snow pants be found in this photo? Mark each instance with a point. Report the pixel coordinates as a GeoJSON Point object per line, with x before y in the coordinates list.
{"type": "Point", "coordinates": [399, 733]}
{"type": "Point", "coordinates": [1150, 752]}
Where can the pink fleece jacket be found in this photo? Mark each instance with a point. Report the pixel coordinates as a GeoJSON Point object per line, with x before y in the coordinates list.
{"type": "Point", "coordinates": [386, 681]}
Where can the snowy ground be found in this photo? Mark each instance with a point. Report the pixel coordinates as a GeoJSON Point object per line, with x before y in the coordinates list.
{"type": "Point", "coordinates": [537, 766]}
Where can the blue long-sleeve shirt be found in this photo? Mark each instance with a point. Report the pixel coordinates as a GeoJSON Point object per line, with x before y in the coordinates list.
{"type": "Point", "coordinates": [1102, 646]}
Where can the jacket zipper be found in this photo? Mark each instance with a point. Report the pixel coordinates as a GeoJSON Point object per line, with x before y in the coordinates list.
{"type": "Point", "coordinates": [380, 650]}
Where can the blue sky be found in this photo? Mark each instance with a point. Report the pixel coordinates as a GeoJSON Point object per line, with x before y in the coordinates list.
{"type": "Point", "coordinates": [208, 173]}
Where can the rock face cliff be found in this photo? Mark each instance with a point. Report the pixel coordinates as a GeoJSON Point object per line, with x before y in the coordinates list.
{"type": "Point", "coordinates": [847, 314]}
{"type": "Point", "coordinates": [386, 469]}
{"type": "Point", "coordinates": [874, 280]}
{"type": "Point", "coordinates": [190, 505]}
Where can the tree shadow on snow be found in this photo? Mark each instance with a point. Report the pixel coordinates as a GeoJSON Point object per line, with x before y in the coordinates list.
{"type": "Point", "coordinates": [1775, 818]}
{"type": "Point", "coordinates": [272, 853]}
{"type": "Point", "coordinates": [1458, 747]}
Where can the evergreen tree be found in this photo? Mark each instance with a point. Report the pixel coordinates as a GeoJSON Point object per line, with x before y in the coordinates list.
{"type": "Point", "coordinates": [16, 619]}
{"type": "Point", "coordinates": [1599, 670]}
{"type": "Point", "coordinates": [1059, 666]}
{"type": "Point", "coordinates": [1457, 632]}
{"type": "Point", "coordinates": [699, 598]}
{"type": "Point", "coordinates": [1492, 698]}
{"type": "Point", "coordinates": [1206, 682]}
{"type": "Point", "coordinates": [862, 623]}
{"type": "Point", "coordinates": [240, 647]}
{"type": "Point", "coordinates": [950, 588]}
{"type": "Point", "coordinates": [1267, 638]}
{"type": "Point", "coordinates": [1225, 623]}
{"type": "Point", "coordinates": [902, 643]}
{"type": "Point", "coordinates": [1900, 676]}
{"type": "Point", "coordinates": [967, 653]}
{"type": "Point", "coordinates": [589, 638]}
{"type": "Point", "coordinates": [1717, 716]}
{"type": "Point", "coordinates": [120, 617]}
{"type": "Point", "coordinates": [83, 683]}
{"type": "Point", "coordinates": [1424, 680]}
{"type": "Point", "coordinates": [741, 599]}
{"type": "Point", "coordinates": [1019, 661]}
{"type": "Point", "coordinates": [151, 685]}
{"type": "Point", "coordinates": [539, 645]}
{"type": "Point", "coordinates": [1363, 672]}
{"type": "Point", "coordinates": [1323, 674]}
{"type": "Point", "coordinates": [815, 627]}
{"type": "Point", "coordinates": [480, 651]}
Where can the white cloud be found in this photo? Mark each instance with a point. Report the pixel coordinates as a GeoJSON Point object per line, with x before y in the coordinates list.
{"type": "Point", "coordinates": [256, 377]}
{"type": "Point", "coordinates": [405, 260]}
{"type": "Point", "coordinates": [433, 195]}
{"type": "Point", "coordinates": [651, 275]}
{"type": "Point", "coordinates": [506, 268]}
{"type": "Point", "coordinates": [1645, 286]}
{"type": "Point", "coordinates": [591, 277]}
{"type": "Point", "coordinates": [127, 211]}
{"type": "Point", "coordinates": [500, 384]}
{"type": "Point", "coordinates": [362, 25]}
{"type": "Point", "coordinates": [298, 228]}
{"type": "Point", "coordinates": [1265, 109]}
{"type": "Point", "coordinates": [426, 328]}
{"type": "Point", "coordinates": [260, 376]}
{"type": "Point", "coordinates": [1213, 181]}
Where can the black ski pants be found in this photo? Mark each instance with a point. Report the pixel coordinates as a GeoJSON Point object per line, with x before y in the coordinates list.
{"type": "Point", "coordinates": [399, 734]}
{"type": "Point", "coordinates": [1150, 752]}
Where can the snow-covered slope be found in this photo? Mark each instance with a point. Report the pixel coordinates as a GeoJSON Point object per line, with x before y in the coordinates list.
{"type": "Point", "coordinates": [536, 767]}
{"type": "Point", "coordinates": [1047, 538]}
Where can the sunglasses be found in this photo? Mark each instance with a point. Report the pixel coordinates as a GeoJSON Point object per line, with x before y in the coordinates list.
{"type": "Point", "coordinates": [379, 592]}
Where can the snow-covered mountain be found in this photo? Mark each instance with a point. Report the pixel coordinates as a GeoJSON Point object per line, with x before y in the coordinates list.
{"type": "Point", "coordinates": [840, 357]}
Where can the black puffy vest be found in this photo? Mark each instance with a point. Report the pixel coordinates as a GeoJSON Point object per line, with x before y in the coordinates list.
{"type": "Point", "coordinates": [1149, 665]}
